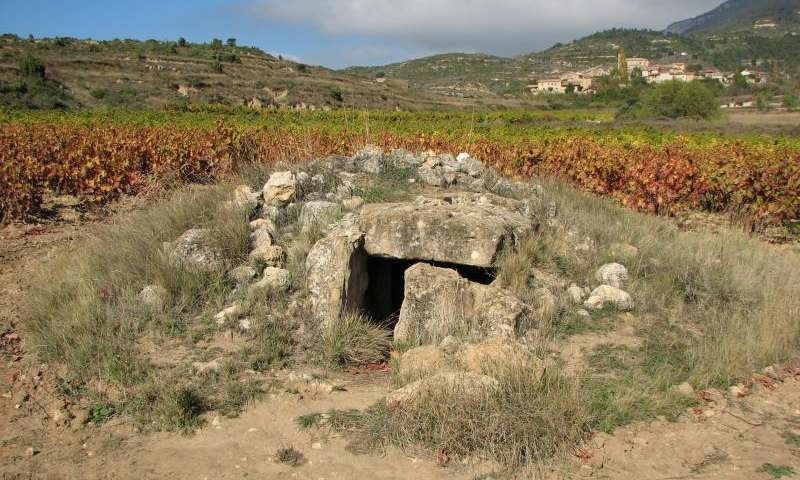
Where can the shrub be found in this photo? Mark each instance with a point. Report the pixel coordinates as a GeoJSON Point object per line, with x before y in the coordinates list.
{"type": "Point", "coordinates": [353, 339]}
{"type": "Point", "coordinates": [31, 67]}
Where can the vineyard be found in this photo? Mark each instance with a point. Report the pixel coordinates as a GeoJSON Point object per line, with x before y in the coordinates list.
{"type": "Point", "coordinates": [99, 156]}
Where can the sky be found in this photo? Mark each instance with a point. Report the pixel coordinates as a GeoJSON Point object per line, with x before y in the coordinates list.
{"type": "Point", "coordinates": [339, 33]}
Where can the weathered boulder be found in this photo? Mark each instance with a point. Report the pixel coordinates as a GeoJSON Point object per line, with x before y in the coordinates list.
{"type": "Point", "coordinates": [435, 230]}
{"type": "Point", "coordinates": [607, 295]}
{"type": "Point", "coordinates": [468, 165]}
{"type": "Point", "coordinates": [193, 248]}
{"type": "Point", "coordinates": [270, 256]}
{"type": "Point", "coordinates": [575, 293]}
{"type": "Point", "coordinates": [261, 238]}
{"type": "Point", "coordinates": [463, 385]}
{"type": "Point", "coordinates": [420, 362]}
{"type": "Point", "coordinates": [229, 314]}
{"type": "Point", "coordinates": [494, 356]}
{"type": "Point", "coordinates": [370, 159]}
{"type": "Point", "coordinates": [273, 280]}
{"type": "Point", "coordinates": [280, 189]}
{"type": "Point", "coordinates": [612, 274]}
{"type": "Point", "coordinates": [439, 302]}
{"type": "Point", "coordinates": [319, 213]}
{"type": "Point", "coordinates": [336, 272]}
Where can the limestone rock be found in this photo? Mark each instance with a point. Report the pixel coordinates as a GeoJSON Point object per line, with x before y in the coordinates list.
{"type": "Point", "coordinates": [273, 256]}
{"type": "Point", "coordinates": [465, 385]}
{"type": "Point", "coordinates": [281, 189]}
{"type": "Point", "coordinates": [439, 302]}
{"type": "Point", "coordinates": [436, 230]}
{"type": "Point", "coordinates": [370, 159]}
{"type": "Point", "coordinates": [243, 274]}
{"type": "Point", "coordinates": [261, 238]}
{"type": "Point", "coordinates": [193, 249]}
{"type": "Point", "coordinates": [607, 295]}
{"type": "Point", "coordinates": [420, 362]}
{"type": "Point", "coordinates": [154, 297]}
{"type": "Point", "coordinates": [575, 293]}
{"type": "Point", "coordinates": [613, 274]}
{"type": "Point", "coordinates": [468, 165]}
{"type": "Point", "coordinates": [491, 356]}
{"type": "Point", "coordinates": [319, 213]}
{"type": "Point", "coordinates": [336, 272]}
{"type": "Point", "coordinates": [263, 224]}
{"type": "Point", "coordinates": [274, 280]}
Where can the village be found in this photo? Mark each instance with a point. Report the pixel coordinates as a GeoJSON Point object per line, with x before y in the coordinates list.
{"type": "Point", "coordinates": [586, 82]}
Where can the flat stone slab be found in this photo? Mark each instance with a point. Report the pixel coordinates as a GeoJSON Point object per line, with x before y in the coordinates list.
{"type": "Point", "coordinates": [438, 230]}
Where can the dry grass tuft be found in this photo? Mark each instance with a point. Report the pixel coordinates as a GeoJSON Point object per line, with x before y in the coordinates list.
{"type": "Point", "coordinates": [354, 339]}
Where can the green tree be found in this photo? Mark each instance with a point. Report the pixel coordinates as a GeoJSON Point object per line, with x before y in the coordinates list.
{"type": "Point", "coordinates": [231, 42]}
{"type": "Point", "coordinates": [216, 43]}
{"type": "Point", "coordinates": [676, 99]}
{"type": "Point", "coordinates": [181, 42]}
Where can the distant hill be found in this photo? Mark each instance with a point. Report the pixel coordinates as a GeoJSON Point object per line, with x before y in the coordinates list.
{"type": "Point", "coordinates": [132, 73]}
{"type": "Point", "coordinates": [766, 17]}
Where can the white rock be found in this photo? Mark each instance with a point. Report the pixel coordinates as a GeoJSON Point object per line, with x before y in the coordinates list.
{"type": "Point", "coordinates": [272, 256]}
{"type": "Point", "coordinates": [583, 313]}
{"type": "Point", "coordinates": [231, 313]}
{"type": "Point", "coordinates": [370, 159]}
{"type": "Point", "coordinates": [281, 188]}
{"type": "Point", "coordinates": [575, 293]}
{"type": "Point", "coordinates": [263, 224]}
{"type": "Point", "coordinates": [245, 324]}
{"type": "Point", "coordinates": [154, 297]}
{"type": "Point", "coordinates": [608, 295]}
{"type": "Point", "coordinates": [275, 279]}
{"type": "Point", "coordinates": [613, 274]}
{"type": "Point", "coordinates": [261, 238]}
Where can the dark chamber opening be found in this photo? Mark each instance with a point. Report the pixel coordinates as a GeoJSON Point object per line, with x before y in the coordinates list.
{"type": "Point", "coordinates": [386, 285]}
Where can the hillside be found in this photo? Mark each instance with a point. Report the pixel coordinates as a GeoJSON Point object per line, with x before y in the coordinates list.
{"type": "Point", "coordinates": [130, 73]}
{"type": "Point", "coordinates": [762, 17]}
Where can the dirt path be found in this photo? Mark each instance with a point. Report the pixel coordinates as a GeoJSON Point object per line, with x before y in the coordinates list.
{"type": "Point", "coordinates": [754, 437]}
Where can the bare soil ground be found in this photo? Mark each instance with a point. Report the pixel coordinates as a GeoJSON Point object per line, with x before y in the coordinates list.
{"type": "Point", "coordinates": [755, 436]}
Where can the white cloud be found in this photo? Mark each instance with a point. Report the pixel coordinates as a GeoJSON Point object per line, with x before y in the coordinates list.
{"type": "Point", "coordinates": [503, 27]}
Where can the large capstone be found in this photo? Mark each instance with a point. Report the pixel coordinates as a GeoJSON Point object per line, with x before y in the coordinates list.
{"type": "Point", "coordinates": [442, 230]}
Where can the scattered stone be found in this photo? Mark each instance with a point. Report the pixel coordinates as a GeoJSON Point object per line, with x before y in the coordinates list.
{"type": "Point", "coordinates": [31, 451]}
{"type": "Point", "coordinates": [370, 160]}
{"type": "Point", "coordinates": [245, 324]}
{"type": "Point", "coordinates": [575, 294]}
{"type": "Point", "coordinates": [541, 279]}
{"type": "Point", "coordinates": [269, 256]}
{"type": "Point", "coordinates": [154, 297]}
{"type": "Point", "coordinates": [280, 189]}
{"type": "Point", "coordinates": [243, 275]}
{"type": "Point", "coordinates": [613, 274]}
{"type": "Point", "coordinates": [468, 165]}
{"type": "Point", "coordinates": [263, 224]}
{"type": "Point", "coordinates": [583, 313]}
{"type": "Point", "coordinates": [274, 280]}
{"type": "Point", "coordinates": [193, 249]}
{"type": "Point", "coordinates": [319, 213]}
{"type": "Point", "coordinates": [605, 295]}
{"type": "Point", "coordinates": [261, 238]}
